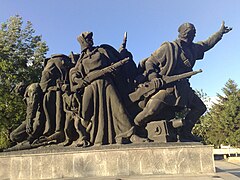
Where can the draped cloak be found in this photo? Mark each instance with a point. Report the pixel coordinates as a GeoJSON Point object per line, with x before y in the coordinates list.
{"type": "Point", "coordinates": [101, 103]}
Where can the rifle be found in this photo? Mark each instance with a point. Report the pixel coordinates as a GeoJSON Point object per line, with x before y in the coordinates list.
{"type": "Point", "coordinates": [83, 82]}
{"type": "Point", "coordinates": [151, 87]}
{"type": "Point", "coordinates": [169, 79]}
{"type": "Point", "coordinates": [124, 43]}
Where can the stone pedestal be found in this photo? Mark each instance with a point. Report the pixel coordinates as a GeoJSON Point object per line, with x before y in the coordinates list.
{"type": "Point", "coordinates": [110, 160]}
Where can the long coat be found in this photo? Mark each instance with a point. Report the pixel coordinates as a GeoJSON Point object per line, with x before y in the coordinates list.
{"type": "Point", "coordinates": [102, 105]}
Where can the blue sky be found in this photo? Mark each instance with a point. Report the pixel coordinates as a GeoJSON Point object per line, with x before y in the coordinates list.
{"type": "Point", "coordinates": [148, 22]}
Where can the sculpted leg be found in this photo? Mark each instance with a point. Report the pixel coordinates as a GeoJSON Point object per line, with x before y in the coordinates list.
{"type": "Point", "coordinates": [38, 126]}
{"type": "Point", "coordinates": [87, 104]}
{"type": "Point", "coordinates": [67, 130]}
{"type": "Point", "coordinates": [59, 135]}
{"type": "Point", "coordinates": [50, 112]}
{"type": "Point", "coordinates": [153, 107]}
{"type": "Point", "coordinates": [197, 110]}
{"type": "Point", "coordinates": [19, 134]}
{"type": "Point", "coordinates": [83, 140]}
{"type": "Point", "coordinates": [60, 114]}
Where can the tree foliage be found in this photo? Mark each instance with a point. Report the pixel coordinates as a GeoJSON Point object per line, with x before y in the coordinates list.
{"type": "Point", "coordinates": [21, 57]}
{"type": "Point", "coordinates": [220, 125]}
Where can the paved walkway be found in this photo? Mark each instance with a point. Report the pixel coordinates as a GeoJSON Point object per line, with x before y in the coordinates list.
{"type": "Point", "coordinates": [224, 171]}
{"type": "Point", "coordinates": [228, 170]}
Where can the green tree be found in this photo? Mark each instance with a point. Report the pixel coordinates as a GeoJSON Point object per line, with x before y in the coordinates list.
{"type": "Point", "coordinates": [221, 124]}
{"type": "Point", "coordinates": [21, 57]}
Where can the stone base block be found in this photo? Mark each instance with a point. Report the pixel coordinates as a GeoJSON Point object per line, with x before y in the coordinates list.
{"type": "Point", "coordinates": [110, 160]}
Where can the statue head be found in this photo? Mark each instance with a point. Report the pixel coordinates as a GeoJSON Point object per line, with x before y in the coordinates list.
{"type": "Point", "coordinates": [20, 88]}
{"type": "Point", "coordinates": [65, 88]}
{"type": "Point", "coordinates": [187, 32]}
{"type": "Point", "coordinates": [60, 60]}
{"type": "Point", "coordinates": [85, 39]}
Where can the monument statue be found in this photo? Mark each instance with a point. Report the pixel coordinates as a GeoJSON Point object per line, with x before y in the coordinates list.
{"type": "Point", "coordinates": [102, 107]}
{"type": "Point", "coordinates": [174, 58]}
{"type": "Point", "coordinates": [71, 106]}
{"type": "Point", "coordinates": [32, 128]}
{"type": "Point", "coordinates": [55, 73]}
{"type": "Point", "coordinates": [101, 97]}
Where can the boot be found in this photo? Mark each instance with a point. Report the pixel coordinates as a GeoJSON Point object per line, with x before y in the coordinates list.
{"type": "Point", "coordinates": [185, 134]}
{"type": "Point", "coordinates": [137, 139]}
{"type": "Point", "coordinates": [57, 137]}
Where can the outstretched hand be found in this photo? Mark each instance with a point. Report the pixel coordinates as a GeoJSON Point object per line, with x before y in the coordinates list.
{"type": "Point", "coordinates": [225, 29]}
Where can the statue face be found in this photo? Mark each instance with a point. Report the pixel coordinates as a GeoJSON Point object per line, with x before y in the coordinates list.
{"type": "Point", "coordinates": [20, 89]}
{"type": "Point", "coordinates": [85, 39]}
{"type": "Point", "coordinates": [187, 32]}
{"type": "Point", "coordinates": [190, 35]}
{"type": "Point", "coordinates": [89, 41]}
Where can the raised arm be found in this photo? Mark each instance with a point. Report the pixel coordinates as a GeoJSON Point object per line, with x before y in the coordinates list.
{"type": "Point", "coordinates": [215, 38]}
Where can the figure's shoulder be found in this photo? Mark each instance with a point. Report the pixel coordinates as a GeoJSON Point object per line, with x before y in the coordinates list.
{"type": "Point", "coordinates": [198, 44]}
{"type": "Point", "coordinates": [107, 48]}
{"type": "Point", "coordinates": [34, 87]}
{"type": "Point", "coordinates": [164, 47]}
{"type": "Point", "coordinates": [59, 56]}
{"type": "Point", "coordinates": [173, 44]}
{"type": "Point", "coordinates": [110, 52]}
{"type": "Point", "coordinates": [167, 44]}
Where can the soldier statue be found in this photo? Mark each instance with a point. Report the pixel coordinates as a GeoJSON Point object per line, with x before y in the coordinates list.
{"type": "Point", "coordinates": [173, 58]}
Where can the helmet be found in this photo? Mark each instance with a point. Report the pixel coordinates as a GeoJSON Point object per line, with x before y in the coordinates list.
{"type": "Point", "coordinates": [184, 30]}
{"type": "Point", "coordinates": [20, 88]}
{"type": "Point", "coordinates": [83, 39]}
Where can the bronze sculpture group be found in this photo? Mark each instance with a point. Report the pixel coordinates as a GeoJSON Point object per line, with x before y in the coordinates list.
{"type": "Point", "coordinates": [101, 97]}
